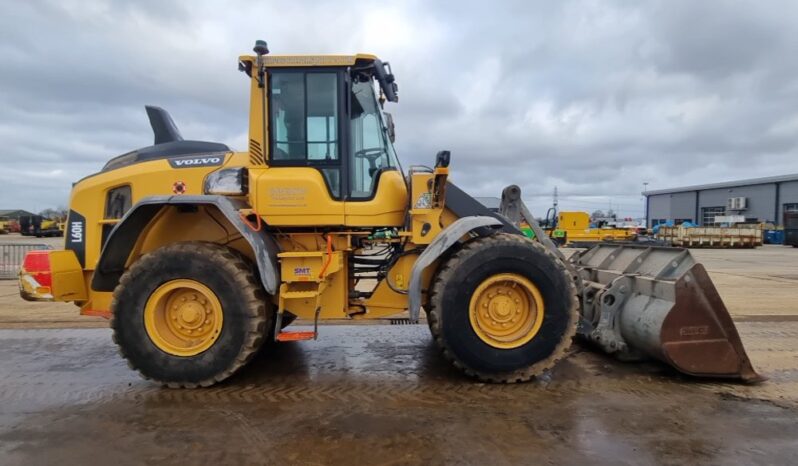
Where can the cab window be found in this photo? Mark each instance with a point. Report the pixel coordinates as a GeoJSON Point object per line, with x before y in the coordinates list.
{"type": "Point", "coordinates": [371, 150]}
{"type": "Point", "coordinates": [304, 122]}
{"type": "Point", "coordinates": [117, 202]}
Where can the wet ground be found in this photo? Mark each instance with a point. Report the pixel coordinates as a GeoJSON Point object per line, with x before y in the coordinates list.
{"type": "Point", "coordinates": [383, 395]}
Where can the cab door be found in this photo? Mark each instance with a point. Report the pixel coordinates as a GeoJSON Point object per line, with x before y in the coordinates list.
{"type": "Point", "coordinates": [377, 193]}
{"type": "Point", "coordinates": [302, 184]}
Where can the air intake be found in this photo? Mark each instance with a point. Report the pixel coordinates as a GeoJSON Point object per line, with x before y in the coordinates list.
{"type": "Point", "coordinates": [256, 153]}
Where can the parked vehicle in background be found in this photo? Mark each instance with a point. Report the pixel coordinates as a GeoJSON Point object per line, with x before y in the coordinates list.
{"type": "Point", "coordinates": [575, 229]}
{"type": "Point", "coordinates": [38, 226]}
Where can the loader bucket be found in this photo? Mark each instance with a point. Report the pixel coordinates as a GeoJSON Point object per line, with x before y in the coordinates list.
{"type": "Point", "coordinates": [658, 302]}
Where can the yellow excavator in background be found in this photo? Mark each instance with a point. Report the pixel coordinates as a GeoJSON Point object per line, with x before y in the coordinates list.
{"type": "Point", "coordinates": [200, 254]}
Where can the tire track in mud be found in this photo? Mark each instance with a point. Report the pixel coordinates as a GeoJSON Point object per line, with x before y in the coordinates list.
{"type": "Point", "coordinates": [337, 391]}
{"type": "Point", "coordinates": [582, 376]}
{"type": "Point", "coordinates": [35, 390]}
{"type": "Point", "coordinates": [58, 367]}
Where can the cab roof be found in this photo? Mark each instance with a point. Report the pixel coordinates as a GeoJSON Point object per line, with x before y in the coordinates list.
{"type": "Point", "coordinates": [310, 60]}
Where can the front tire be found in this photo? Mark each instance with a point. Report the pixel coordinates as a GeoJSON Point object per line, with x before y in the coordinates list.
{"type": "Point", "coordinates": [503, 309]}
{"type": "Point", "coordinates": [189, 314]}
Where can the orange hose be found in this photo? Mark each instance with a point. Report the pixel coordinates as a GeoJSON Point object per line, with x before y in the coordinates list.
{"type": "Point", "coordinates": [329, 256]}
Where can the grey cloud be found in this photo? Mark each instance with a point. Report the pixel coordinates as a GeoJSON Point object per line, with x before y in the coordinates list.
{"type": "Point", "coordinates": [594, 97]}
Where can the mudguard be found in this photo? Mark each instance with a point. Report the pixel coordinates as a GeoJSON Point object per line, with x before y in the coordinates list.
{"type": "Point", "coordinates": [123, 237]}
{"type": "Point", "coordinates": [435, 249]}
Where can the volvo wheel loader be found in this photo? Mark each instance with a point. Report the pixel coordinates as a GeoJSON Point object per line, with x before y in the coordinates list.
{"type": "Point", "coordinates": [201, 255]}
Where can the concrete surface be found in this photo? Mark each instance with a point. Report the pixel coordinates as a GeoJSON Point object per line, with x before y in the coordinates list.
{"type": "Point", "coordinates": [754, 282]}
{"type": "Point", "coordinates": [375, 395]}
{"type": "Point", "coordinates": [56, 242]}
{"type": "Point", "coordinates": [382, 395]}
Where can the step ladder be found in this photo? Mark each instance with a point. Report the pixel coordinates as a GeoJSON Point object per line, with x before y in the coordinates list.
{"type": "Point", "coordinates": [286, 295]}
{"type": "Point", "coordinates": [305, 276]}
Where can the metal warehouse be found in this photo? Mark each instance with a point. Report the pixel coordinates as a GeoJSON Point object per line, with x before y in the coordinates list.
{"type": "Point", "coordinates": [757, 200]}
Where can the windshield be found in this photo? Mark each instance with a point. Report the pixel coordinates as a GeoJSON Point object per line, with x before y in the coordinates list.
{"type": "Point", "coordinates": [371, 148]}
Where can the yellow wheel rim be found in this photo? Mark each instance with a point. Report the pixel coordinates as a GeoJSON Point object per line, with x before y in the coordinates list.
{"type": "Point", "coordinates": [506, 311]}
{"type": "Point", "coordinates": [183, 317]}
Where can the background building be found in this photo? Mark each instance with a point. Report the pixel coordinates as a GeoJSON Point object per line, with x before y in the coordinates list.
{"type": "Point", "coordinates": [758, 200]}
{"type": "Point", "coordinates": [14, 213]}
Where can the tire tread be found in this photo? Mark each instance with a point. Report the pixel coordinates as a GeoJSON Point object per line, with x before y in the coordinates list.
{"type": "Point", "coordinates": [239, 269]}
{"type": "Point", "coordinates": [444, 275]}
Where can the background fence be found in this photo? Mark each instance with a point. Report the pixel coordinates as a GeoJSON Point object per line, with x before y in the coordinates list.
{"type": "Point", "coordinates": [11, 257]}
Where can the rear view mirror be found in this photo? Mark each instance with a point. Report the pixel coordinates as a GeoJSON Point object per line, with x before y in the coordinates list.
{"type": "Point", "coordinates": [386, 80]}
{"type": "Point", "coordinates": [390, 127]}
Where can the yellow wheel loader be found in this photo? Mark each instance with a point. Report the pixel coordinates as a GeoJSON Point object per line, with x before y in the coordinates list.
{"type": "Point", "coordinates": [200, 255]}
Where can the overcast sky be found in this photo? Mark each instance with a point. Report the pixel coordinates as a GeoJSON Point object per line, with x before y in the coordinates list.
{"type": "Point", "coordinates": [594, 97]}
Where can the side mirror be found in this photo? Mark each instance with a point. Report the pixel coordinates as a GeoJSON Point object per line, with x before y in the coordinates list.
{"type": "Point", "coordinates": [443, 158]}
{"type": "Point", "coordinates": [386, 80]}
{"type": "Point", "coordinates": [390, 127]}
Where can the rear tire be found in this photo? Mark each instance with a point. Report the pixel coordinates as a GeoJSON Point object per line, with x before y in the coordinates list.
{"type": "Point", "coordinates": [228, 280]}
{"type": "Point", "coordinates": [460, 288]}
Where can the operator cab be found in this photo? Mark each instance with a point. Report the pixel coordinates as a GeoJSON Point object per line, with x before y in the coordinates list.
{"type": "Point", "coordinates": [324, 112]}
{"type": "Point", "coordinates": [320, 148]}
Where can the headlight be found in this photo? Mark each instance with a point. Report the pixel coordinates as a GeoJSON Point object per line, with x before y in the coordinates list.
{"type": "Point", "coordinates": [227, 181]}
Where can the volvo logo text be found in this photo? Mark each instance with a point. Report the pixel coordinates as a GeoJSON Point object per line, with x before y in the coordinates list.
{"type": "Point", "coordinates": [188, 162]}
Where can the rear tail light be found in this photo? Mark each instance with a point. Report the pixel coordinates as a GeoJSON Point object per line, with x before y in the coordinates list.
{"type": "Point", "coordinates": [37, 264]}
